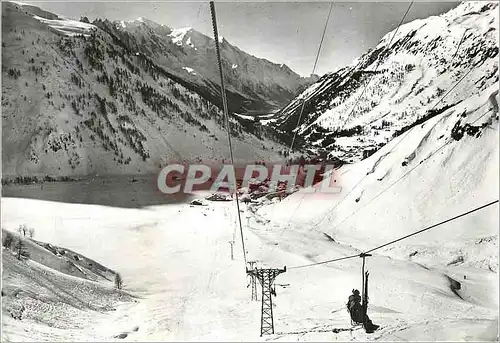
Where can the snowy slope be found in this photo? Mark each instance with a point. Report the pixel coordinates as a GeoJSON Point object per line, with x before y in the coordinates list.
{"type": "Point", "coordinates": [177, 257]}
{"type": "Point", "coordinates": [67, 26]}
{"type": "Point", "coordinates": [382, 200]}
{"type": "Point", "coordinates": [48, 292]}
{"type": "Point", "coordinates": [361, 107]}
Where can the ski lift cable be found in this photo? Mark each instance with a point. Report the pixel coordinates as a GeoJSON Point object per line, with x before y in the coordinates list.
{"type": "Point", "coordinates": [379, 61]}
{"type": "Point", "coordinates": [376, 67]}
{"type": "Point", "coordinates": [433, 226]}
{"type": "Point", "coordinates": [392, 184]}
{"type": "Point", "coordinates": [485, 113]}
{"type": "Point", "coordinates": [352, 256]}
{"type": "Point", "coordinates": [314, 69]}
{"type": "Point", "coordinates": [401, 238]}
{"type": "Point", "coordinates": [421, 162]}
{"type": "Point", "coordinates": [302, 109]}
{"type": "Point", "coordinates": [325, 262]}
{"type": "Point", "coordinates": [354, 187]}
{"type": "Point", "coordinates": [459, 43]}
{"type": "Point", "coordinates": [383, 191]}
{"type": "Point", "coordinates": [165, 140]}
{"type": "Point", "coordinates": [461, 40]}
{"type": "Point", "coordinates": [226, 114]}
{"type": "Point", "coordinates": [348, 193]}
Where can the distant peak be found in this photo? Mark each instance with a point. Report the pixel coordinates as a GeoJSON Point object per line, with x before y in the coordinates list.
{"type": "Point", "coordinates": [140, 20]}
{"type": "Point", "coordinates": [145, 21]}
{"type": "Point", "coordinates": [179, 34]}
{"type": "Point", "coordinates": [183, 29]}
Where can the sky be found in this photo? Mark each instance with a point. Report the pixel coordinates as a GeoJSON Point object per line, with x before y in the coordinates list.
{"type": "Point", "coordinates": [282, 32]}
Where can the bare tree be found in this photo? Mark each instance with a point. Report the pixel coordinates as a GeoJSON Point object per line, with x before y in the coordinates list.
{"type": "Point", "coordinates": [23, 229]}
{"type": "Point", "coordinates": [31, 232]}
{"type": "Point", "coordinates": [118, 281]}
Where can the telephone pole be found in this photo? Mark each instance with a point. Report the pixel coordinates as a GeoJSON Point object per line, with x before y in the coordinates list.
{"type": "Point", "coordinates": [253, 282]}
{"type": "Point", "coordinates": [266, 278]}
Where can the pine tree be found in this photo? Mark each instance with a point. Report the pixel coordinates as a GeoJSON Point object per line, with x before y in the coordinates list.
{"type": "Point", "coordinates": [21, 249]}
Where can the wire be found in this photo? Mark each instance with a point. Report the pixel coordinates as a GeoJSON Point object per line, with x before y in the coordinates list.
{"type": "Point", "coordinates": [406, 134]}
{"type": "Point", "coordinates": [379, 60]}
{"type": "Point", "coordinates": [404, 175]}
{"type": "Point", "coordinates": [224, 103]}
{"type": "Point", "coordinates": [302, 110]}
{"type": "Point", "coordinates": [324, 262]}
{"type": "Point", "coordinates": [392, 184]}
{"type": "Point", "coordinates": [352, 189]}
{"type": "Point", "coordinates": [433, 226]}
{"type": "Point", "coordinates": [399, 239]}
{"type": "Point", "coordinates": [314, 69]}
{"type": "Point", "coordinates": [485, 113]}
{"type": "Point", "coordinates": [459, 43]}
{"type": "Point", "coordinates": [352, 110]}
{"type": "Point", "coordinates": [322, 37]}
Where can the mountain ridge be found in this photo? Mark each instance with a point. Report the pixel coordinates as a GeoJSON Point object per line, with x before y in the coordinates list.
{"type": "Point", "coordinates": [255, 84]}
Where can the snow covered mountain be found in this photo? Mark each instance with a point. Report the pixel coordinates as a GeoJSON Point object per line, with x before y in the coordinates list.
{"type": "Point", "coordinates": [81, 98]}
{"type": "Point", "coordinates": [409, 77]}
{"type": "Point", "coordinates": [439, 285]}
{"type": "Point", "coordinates": [253, 84]}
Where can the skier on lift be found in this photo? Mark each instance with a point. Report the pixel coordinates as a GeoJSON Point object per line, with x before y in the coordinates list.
{"type": "Point", "coordinates": [355, 309]}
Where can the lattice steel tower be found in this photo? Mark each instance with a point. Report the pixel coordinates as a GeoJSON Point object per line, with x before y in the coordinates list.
{"type": "Point", "coordinates": [266, 278]}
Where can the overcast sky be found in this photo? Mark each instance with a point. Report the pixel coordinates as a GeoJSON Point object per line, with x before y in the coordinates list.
{"type": "Point", "coordinates": [283, 32]}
